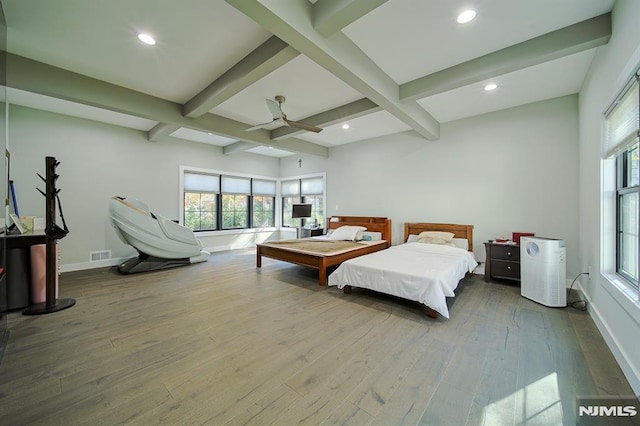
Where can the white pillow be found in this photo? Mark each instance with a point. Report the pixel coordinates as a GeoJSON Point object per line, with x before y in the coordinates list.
{"type": "Point", "coordinates": [412, 238]}
{"type": "Point", "coordinates": [462, 243]}
{"type": "Point", "coordinates": [447, 236]}
{"type": "Point", "coordinates": [347, 232]}
{"type": "Point", "coordinates": [434, 240]}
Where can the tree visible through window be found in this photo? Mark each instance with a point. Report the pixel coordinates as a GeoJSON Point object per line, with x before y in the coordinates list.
{"type": "Point", "coordinates": [234, 211]}
{"type": "Point", "coordinates": [263, 211]}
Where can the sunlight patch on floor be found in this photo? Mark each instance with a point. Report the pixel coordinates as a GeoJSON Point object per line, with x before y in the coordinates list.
{"type": "Point", "coordinates": [536, 403]}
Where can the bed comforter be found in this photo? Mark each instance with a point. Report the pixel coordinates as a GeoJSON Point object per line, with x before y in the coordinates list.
{"type": "Point", "coordinates": [425, 273]}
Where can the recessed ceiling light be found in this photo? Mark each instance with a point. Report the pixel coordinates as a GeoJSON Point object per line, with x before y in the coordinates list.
{"type": "Point", "coordinates": [146, 39]}
{"type": "Point", "coordinates": [466, 16]}
{"type": "Point", "coordinates": [345, 126]}
{"type": "Point", "coordinates": [490, 86]}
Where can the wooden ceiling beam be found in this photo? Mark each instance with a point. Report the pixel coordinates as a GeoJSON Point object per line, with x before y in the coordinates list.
{"type": "Point", "coordinates": [576, 38]}
{"type": "Point", "coordinates": [292, 22]}
{"type": "Point", "coordinates": [331, 16]}
{"type": "Point", "coordinates": [37, 77]}
{"type": "Point", "coordinates": [266, 58]}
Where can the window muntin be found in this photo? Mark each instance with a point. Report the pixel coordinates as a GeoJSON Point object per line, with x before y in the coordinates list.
{"type": "Point", "coordinates": [200, 211]}
{"type": "Point", "coordinates": [263, 211]}
{"type": "Point", "coordinates": [235, 211]}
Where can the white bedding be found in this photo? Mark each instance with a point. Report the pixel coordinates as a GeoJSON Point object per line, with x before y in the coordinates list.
{"type": "Point", "coordinates": [426, 273]}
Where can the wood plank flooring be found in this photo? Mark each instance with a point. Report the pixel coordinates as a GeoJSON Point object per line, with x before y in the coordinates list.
{"type": "Point", "coordinates": [222, 342]}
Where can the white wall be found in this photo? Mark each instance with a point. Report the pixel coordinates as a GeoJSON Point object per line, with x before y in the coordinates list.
{"type": "Point", "coordinates": [99, 161]}
{"type": "Point", "coordinates": [512, 170]}
{"type": "Point", "coordinates": [617, 314]}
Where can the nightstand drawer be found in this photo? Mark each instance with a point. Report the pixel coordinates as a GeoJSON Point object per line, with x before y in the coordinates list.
{"type": "Point", "coordinates": [506, 252]}
{"type": "Point", "coordinates": [505, 269]}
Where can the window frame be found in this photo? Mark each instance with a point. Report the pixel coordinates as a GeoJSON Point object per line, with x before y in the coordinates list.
{"type": "Point", "coordinates": [302, 197]}
{"type": "Point", "coordinates": [625, 188]}
{"type": "Point", "coordinates": [620, 140]}
{"type": "Point", "coordinates": [220, 226]}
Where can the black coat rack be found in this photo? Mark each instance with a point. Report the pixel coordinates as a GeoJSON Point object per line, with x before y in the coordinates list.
{"type": "Point", "coordinates": [52, 233]}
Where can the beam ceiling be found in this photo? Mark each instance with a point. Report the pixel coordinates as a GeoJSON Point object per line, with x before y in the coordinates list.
{"type": "Point", "coordinates": [292, 22]}
{"type": "Point", "coordinates": [576, 38]}
{"type": "Point", "coordinates": [40, 78]}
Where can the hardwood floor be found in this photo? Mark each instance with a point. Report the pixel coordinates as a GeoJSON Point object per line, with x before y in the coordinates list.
{"type": "Point", "coordinates": [222, 342]}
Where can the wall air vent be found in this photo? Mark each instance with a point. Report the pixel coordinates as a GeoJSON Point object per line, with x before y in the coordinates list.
{"type": "Point", "coordinates": [97, 256]}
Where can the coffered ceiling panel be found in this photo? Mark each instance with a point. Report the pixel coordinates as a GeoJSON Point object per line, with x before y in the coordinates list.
{"type": "Point", "coordinates": [381, 66]}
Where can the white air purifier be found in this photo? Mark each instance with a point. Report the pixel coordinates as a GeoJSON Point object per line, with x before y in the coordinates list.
{"type": "Point", "coordinates": [543, 270]}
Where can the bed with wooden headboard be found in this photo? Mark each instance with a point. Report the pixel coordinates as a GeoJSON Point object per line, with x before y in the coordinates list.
{"type": "Point", "coordinates": [459, 231]}
{"type": "Point", "coordinates": [320, 253]}
{"type": "Point", "coordinates": [418, 270]}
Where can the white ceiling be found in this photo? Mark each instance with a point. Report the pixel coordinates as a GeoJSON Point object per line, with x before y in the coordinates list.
{"type": "Point", "coordinates": [382, 66]}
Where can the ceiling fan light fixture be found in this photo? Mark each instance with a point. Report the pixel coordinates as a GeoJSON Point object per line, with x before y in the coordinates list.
{"type": "Point", "coordinates": [146, 39]}
{"type": "Point", "coordinates": [466, 16]}
{"type": "Point", "coordinates": [280, 118]}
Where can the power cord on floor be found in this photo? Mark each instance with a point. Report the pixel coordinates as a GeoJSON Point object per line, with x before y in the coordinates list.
{"type": "Point", "coordinates": [580, 304]}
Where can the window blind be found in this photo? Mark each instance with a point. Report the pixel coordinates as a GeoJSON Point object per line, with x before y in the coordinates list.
{"type": "Point", "coordinates": [263, 187]}
{"type": "Point", "coordinates": [198, 182]}
{"type": "Point", "coordinates": [290, 188]}
{"type": "Point", "coordinates": [236, 185]}
{"type": "Point", "coordinates": [312, 186]}
{"type": "Point", "coordinates": [623, 120]}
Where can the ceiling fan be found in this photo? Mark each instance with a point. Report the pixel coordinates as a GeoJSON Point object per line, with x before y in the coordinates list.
{"type": "Point", "coordinates": [280, 118]}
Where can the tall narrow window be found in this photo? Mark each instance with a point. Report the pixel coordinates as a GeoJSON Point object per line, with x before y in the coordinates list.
{"type": "Point", "coordinates": [235, 202]}
{"type": "Point", "coordinates": [312, 191]}
{"type": "Point", "coordinates": [290, 191]}
{"type": "Point", "coordinates": [622, 135]}
{"type": "Point", "coordinates": [200, 201]}
{"type": "Point", "coordinates": [263, 203]}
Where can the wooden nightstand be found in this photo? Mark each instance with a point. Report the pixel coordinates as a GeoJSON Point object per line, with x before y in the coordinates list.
{"type": "Point", "coordinates": [308, 232]}
{"type": "Point", "coordinates": [503, 261]}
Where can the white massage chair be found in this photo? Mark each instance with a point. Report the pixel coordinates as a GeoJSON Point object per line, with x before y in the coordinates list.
{"type": "Point", "coordinates": [160, 242]}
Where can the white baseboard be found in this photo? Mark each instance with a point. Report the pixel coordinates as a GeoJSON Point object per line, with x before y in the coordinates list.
{"type": "Point", "coordinates": [628, 369]}
{"type": "Point", "coordinates": [70, 267]}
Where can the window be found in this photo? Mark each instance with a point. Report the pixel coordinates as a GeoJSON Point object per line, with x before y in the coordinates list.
{"type": "Point", "coordinates": [217, 201]}
{"type": "Point", "coordinates": [200, 200]}
{"type": "Point", "coordinates": [312, 191]}
{"type": "Point", "coordinates": [290, 191]}
{"type": "Point", "coordinates": [235, 202]}
{"type": "Point", "coordinates": [263, 206]}
{"type": "Point", "coordinates": [622, 130]}
{"type": "Point", "coordinates": [308, 190]}
{"type": "Point", "coordinates": [627, 208]}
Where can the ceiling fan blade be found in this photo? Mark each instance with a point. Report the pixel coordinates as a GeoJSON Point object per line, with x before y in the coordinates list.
{"type": "Point", "coordinates": [275, 109]}
{"type": "Point", "coordinates": [273, 124]}
{"type": "Point", "coordinates": [303, 126]}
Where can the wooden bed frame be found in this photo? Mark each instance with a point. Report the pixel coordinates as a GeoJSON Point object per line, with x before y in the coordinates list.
{"type": "Point", "coordinates": [459, 231]}
{"type": "Point", "coordinates": [323, 261]}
